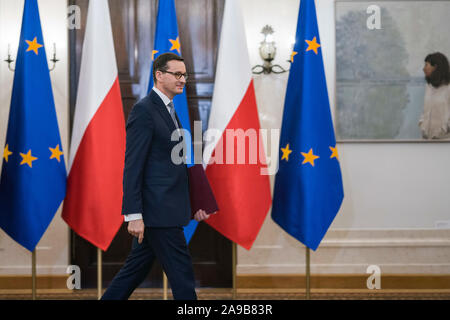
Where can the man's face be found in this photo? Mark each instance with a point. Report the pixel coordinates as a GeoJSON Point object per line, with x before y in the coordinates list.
{"type": "Point", "coordinates": [167, 81]}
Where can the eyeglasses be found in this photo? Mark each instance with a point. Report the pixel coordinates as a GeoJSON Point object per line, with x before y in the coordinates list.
{"type": "Point", "coordinates": [178, 75]}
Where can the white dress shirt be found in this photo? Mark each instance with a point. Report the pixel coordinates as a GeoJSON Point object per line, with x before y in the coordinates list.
{"type": "Point", "coordinates": [435, 120]}
{"type": "Point", "coordinates": [166, 100]}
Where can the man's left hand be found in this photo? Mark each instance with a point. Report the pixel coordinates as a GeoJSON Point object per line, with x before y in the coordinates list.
{"type": "Point", "coordinates": [201, 215]}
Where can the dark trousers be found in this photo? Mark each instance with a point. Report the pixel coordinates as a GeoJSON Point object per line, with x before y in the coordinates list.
{"type": "Point", "coordinates": [168, 245]}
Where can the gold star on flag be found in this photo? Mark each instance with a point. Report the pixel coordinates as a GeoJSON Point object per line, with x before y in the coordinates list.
{"type": "Point", "coordinates": [27, 158]}
{"type": "Point", "coordinates": [56, 153]}
{"type": "Point", "coordinates": [175, 45]}
{"type": "Point", "coordinates": [309, 157]}
{"type": "Point", "coordinates": [286, 152]}
{"type": "Point", "coordinates": [292, 55]}
{"type": "Point", "coordinates": [33, 45]}
{"type": "Point", "coordinates": [6, 153]}
{"type": "Point", "coordinates": [312, 45]}
{"type": "Point", "coordinates": [334, 153]}
{"type": "Point", "coordinates": [153, 54]}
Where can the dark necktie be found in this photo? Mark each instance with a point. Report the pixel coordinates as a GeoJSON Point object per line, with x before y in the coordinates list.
{"type": "Point", "coordinates": [172, 114]}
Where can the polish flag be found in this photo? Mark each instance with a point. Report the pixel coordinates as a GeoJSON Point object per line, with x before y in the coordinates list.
{"type": "Point", "coordinates": [93, 203]}
{"type": "Point", "coordinates": [241, 190]}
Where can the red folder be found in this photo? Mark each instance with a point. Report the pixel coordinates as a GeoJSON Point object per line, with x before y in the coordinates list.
{"type": "Point", "coordinates": [200, 191]}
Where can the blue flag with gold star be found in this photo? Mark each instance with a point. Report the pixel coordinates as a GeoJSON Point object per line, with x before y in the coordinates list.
{"type": "Point", "coordinates": [308, 186]}
{"type": "Point", "coordinates": [33, 177]}
{"type": "Point", "coordinates": [167, 40]}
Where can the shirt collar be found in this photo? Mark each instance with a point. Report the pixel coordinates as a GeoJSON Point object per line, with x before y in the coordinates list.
{"type": "Point", "coordinates": [163, 97]}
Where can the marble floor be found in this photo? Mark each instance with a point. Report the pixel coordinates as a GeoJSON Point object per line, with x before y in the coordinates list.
{"type": "Point", "coordinates": [241, 294]}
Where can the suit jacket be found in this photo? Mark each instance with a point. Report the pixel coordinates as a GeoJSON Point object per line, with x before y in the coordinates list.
{"type": "Point", "coordinates": [152, 184]}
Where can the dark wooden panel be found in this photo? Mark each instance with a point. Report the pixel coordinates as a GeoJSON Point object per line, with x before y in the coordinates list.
{"type": "Point", "coordinates": [199, 24]}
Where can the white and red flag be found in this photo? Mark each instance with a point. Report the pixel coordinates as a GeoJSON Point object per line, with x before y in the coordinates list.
{"type": "Point", "coordinates": [93, 203]}
{"type": "Point", "coordinates": [241, 190]}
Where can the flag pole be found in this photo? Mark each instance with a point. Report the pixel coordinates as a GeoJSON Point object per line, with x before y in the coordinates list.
{"type": "Point", "coordinates": [33, 274]}
{"type": "Point", "coordinates": [308, 275]}
{"type": "Point", "coordinates": [164, 286]}
{"type": "Point", "coordinates": [99, 273]}
{"type": "Point", "coordinates": [234, 261]}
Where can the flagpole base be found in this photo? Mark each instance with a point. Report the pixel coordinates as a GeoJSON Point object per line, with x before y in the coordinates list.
{"type": "Point", "coordinates": [234, 262]}
{"type": "Point", "coordinates": [165, 286]}
{"type": "Point", "coordinates": [99, 273]}
{"type": "Point", "coordinates": [308, 275]}
{"type": "Point", "coordinates": [33, 274]}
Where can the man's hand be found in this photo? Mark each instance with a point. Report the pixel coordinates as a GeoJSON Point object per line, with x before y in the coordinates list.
{"type": "Point", "coordinates": [201, 215]}
{"type": "Point", "coordinates": [136, 229]}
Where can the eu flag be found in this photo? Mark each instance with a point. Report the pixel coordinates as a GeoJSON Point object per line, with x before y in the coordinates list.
{"type": "Point", "coordinates": [33, 178]}
{"type": "Point", "coordinates": [308, 186]}
{"type": "Point", "coordinates": [168, 40]}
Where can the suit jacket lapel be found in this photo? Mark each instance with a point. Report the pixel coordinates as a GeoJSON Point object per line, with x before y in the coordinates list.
{"type": "Point", "coordinates": [162, 110]}
{"type": "Point", "coordinates": [165, 114]}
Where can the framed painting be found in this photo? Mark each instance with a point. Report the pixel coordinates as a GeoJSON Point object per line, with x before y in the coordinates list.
{"type": "Point", "coordinates": [384, 91]}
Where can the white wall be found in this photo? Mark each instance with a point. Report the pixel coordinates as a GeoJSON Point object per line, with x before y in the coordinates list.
{"type": "Point", "coordinates": [53, 250]}
{"type": "Point", "coordinates": [394, 192]}
{"type": "Point", "coordinates": [387, 185]}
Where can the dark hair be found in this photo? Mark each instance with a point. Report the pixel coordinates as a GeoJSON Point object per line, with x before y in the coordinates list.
{"type": "Point", "coordinates": [441, 75]}
{"type": "Point", "coordinates": [160, 63]}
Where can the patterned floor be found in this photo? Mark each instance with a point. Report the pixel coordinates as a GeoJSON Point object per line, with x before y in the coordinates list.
{"type": "Point", "coordinates": [249, 294]}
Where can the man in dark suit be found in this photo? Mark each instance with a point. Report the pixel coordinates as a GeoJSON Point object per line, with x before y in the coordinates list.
{"type": "Point", "coordinates": [156, 200]}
